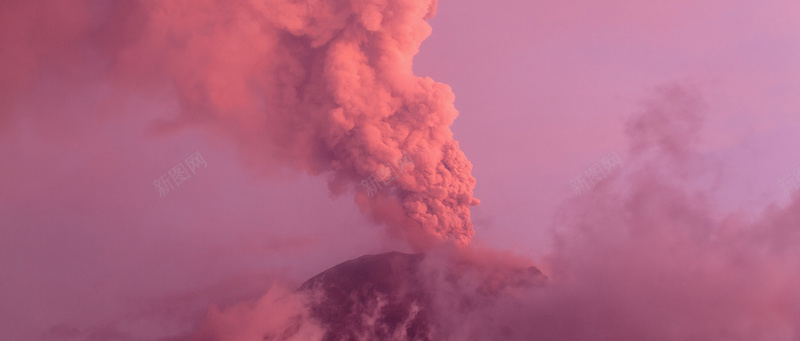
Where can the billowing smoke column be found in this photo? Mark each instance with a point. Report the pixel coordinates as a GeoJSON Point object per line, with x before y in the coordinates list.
{"type": "Point", "coordinates": [323, 86]}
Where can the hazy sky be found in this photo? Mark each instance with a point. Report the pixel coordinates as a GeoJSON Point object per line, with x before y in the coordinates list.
{"type": "Point", "coordinates": [544, 89]}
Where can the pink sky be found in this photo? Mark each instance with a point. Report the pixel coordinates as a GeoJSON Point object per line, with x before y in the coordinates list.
{"type": "Point", "coordinates": [544, 90]}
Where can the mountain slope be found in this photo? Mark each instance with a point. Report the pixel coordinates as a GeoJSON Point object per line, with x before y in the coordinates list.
{"type": "Point", "coordinates": [390, 296]}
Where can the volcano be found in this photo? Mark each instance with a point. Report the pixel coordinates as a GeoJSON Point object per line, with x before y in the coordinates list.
{"type": "Point", "coordinates": [389, 296]}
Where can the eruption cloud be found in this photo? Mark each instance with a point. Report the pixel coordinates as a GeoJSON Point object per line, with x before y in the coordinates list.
{"type": "Point", "coordinates": [325, 87]}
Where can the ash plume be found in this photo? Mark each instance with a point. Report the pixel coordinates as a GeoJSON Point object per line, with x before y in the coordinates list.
{"type": "Point", "coordinates": [325, 87]}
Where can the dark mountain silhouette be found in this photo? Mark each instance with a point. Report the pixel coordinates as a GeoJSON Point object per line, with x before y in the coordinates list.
{"type": "Point", "coordinates": [388, 297]}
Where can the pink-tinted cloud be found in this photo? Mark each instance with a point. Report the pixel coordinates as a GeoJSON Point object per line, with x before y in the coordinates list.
{"type": "Point", "coordinates": [646, 255]}
{"type": "Point", "coordinates": [324, 89]}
